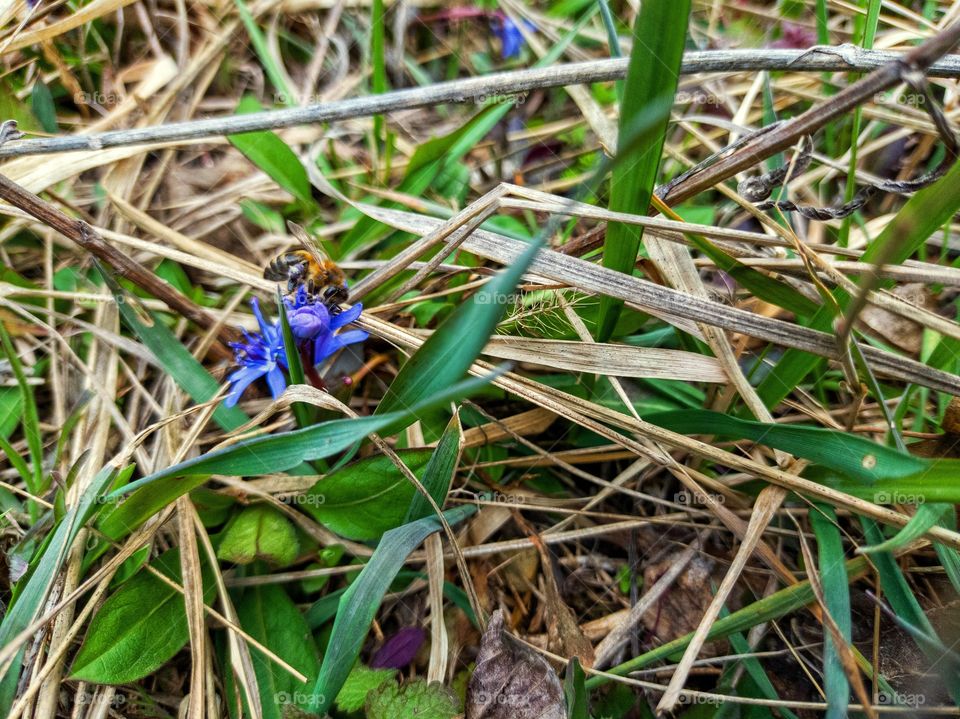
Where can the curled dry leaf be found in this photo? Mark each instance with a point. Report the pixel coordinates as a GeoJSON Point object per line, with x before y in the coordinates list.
{"type": "Point", "coordinates": [512, 681]}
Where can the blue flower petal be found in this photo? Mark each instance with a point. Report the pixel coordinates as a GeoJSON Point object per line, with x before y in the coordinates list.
{"type": "Point", "coordinates": [239, 381]}
{"type": "Point", "coordinates": [276, 381]}
{"type": "Point", "coordinates": [324, 347]}
{"type": "Point", "coordinates": [346, 317]}
{"type": "Point", "coordinates": [352, 337]}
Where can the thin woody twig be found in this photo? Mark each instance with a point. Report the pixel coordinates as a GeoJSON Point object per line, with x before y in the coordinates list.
{"type": "Point", "coordinates": [902, 67]}
{"type": "Point", "coordinates": [90, 240]}
{"type": "Point", "coordinates": [505, 84]}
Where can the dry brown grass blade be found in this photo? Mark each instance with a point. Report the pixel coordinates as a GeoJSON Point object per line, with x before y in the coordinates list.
{"type": "Point", "coordinates": [768, 502]}
{"type": "Point", "coordinates": [192, 574]}
{"type": "Point", "coordinates": [669, 303]}
{"type": "Point", "coordinates": [608, 359]}
{"type": "Point", "coordinates": [611, 643]}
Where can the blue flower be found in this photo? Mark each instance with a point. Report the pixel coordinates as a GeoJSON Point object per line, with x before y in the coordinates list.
{"type": "Point", "coordinates": [511, 39]}
{"type": "Point", "coordinates": [311, 321]}
{"type": "Point", "coordinates": [260, 354]}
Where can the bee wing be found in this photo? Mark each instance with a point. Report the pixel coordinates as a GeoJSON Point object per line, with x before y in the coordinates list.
{"type": "Point", "coordinates": [306, 242]}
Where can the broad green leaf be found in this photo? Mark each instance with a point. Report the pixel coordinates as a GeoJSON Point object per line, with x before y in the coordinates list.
{"type": "Point", "coordinates": [261, 455]}
{"type": "Point", "coordinates": [367, 497]}
{"type": "Point", "coordinates": [359, 603]}
{"type": "Point", "coordinates": [833, 579]}
{"type": "Point", "coordinates": [271, 617]}
{"type": "Point", "coordinates": [139, 628]}
{"type": "Point", "coordinates": [259, 532]}
{"type": "Point", "coordinates": [658, 39]}
{"type": "Point", "coordinates": [272, 155]}
{"type": "Point", "coordinates": [31, 591]}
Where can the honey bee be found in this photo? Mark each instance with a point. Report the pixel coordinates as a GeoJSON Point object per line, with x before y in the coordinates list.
{"type": "Point", "coordinates": [308, 268]}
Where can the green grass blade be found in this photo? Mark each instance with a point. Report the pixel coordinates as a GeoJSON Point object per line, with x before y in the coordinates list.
{"type": "Point", "coordinates": [575, 691]}
{"type": "Point", "coordinates": [863, 36]}
{"type": "Point", "coordinates": [359, 604]}
{"type": "Point", "coordinates": [301, 411]}
{"type": "Point", "coordinates": [262, 50]}
{"type": "Point", "coordinates": [901, 598]}
{"type": "Point", "coordinates": [30, 420]}
{"type": "Point", "coordinates": [927, 516]}
{"type": "Point", "coordinates": [379, 62]}
{"type": "Point", "coordinates": [439, 472]}
{"type": "Point", "coordinates": [836, 593]}
{"type": "Point", "coordinates": [258, 456]}
{"type": "Point", "coordinates": [855, 457]}
{"type": "Point", "coordinates": [445, 357]}
{"type": "Point", "coordinates": [658, 39]}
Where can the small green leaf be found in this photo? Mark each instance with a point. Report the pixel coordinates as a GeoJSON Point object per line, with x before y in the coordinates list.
{"type": "Point", "coordinates": [361, 681]}
{"type": "Point", "coordinates": [138, 629]}
{"type": "Point", "coordinates": [271, 617]}
{"type": "Point", "coordinates": [43, 107]}
{"type": "Point", "coordinates": [272, 155]}
{"type": "Point", "coordinates": [260, 532]}
{"type": "Point", "coordinates": [366, 498]}
{"type": "Point", "coordinates": [416, 700]}
{"type": "Point", "coordinates": [575, 691]}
